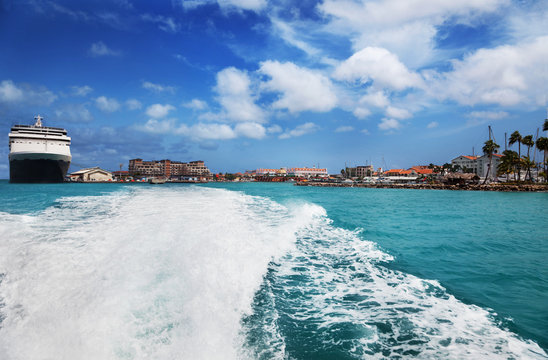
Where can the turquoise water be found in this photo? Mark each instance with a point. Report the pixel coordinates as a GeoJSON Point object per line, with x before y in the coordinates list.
{"type": "Point", "coordinates": [271, 271]}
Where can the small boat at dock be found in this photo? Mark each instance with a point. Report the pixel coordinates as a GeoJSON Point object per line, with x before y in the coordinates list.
{"type": "Point", "coordinates": [156, 181]}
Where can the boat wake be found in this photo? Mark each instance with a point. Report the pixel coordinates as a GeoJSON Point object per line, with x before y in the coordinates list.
{"type": "Point", "coordinates": [202, 273]}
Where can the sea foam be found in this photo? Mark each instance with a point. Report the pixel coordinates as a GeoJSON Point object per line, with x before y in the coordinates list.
{"type": "Point", "coordinates": [145, 273]}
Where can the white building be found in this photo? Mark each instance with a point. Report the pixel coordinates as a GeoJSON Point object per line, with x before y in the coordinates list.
{"type": "Point", "coordinates": [479, 164]}
{"type": "Point", "coordinates": [307, 172]}
{"type": "Point", "coordinates": [91, 174]}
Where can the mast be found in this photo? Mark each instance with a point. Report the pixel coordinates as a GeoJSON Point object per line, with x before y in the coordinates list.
{"type": "Point", "coordinates": [38, 122]}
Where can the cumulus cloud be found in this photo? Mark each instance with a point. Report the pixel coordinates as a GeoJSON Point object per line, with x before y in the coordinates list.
{"type": "Point", "coordinates": [432, 125]}
{"type": "Point", "coordinates": [387, 124]}
{"type": "Point", "coordinates": [407, 28]}
{"type": "Point", "coordinates": [274, 129]}
{"type": "Point", "coordinates": [361, 112]}
{"type": "Point", "coordinates": [157, 87]}
{"type": "Point", "coordinates": [196, 104]}
{"type": "Point", "coordinates": [301, 89]}
{"type": "Point", "coordinates": [101, 49]}
{"type": "Point", "coordinates": [156, 126]}
{"type": "Point", "coordinates": [74, 113]}
{"type": "Point", "coordinates": [211, 131]}
{"type": "Point", "coordinates": [235, 97]}
{"type": "Point", "coordinates": [300, 130]}
{"type": "Point", "coordinates": [397, 113]}
{"type": "Point", "coordinates": [250, 130]}
{"type": "Point", "coordinates": [17, 93]}
{"type": "Point", "coordinates": [377, 65]}
{"type": "Point", "coordinates": [507, 75]}
{"type": "Point", "coordinates": [9, 92]}
{"type": "Point", "coordinates": [106, 104]}
{"type": "Point", "coordinates": [344, 129]}
{"type": "Point", "coordinates": [133, 104]}
{"type": "Point", "coordinates": [159, 110]}
{"type": "Point", "coordinates": [365, 132]}
{"type": "Point", "coordinates": [375, 98]}
{"type": "Point", "coordinates": [81, 90]}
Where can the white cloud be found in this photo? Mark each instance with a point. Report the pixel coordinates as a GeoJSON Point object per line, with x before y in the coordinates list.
{"type": "Point", "coordinates": [301, 89]}
{"type": "Point", "coordinates": [159, 110]}
{"type": "Point", "coordinates": [203, 131]}
{"type": "Point", "coordinates": [36, 95]}
{"type": "Point", "coordinates": [106, 104]}
{"type": "Point", "coordinates": [9, 92]}
{"type": "Point", "coordinates": [74, 113]}
{"type": "Point", "coordinates": [234, 95]}
{"type": "Point", "coordinates": [100, 49]}
{"type": "Point", "coordinates": [288, 34]}
{"type": "Point", "coordinates": [250, 130]}
{"type": "Point", "coordinates": [81, 90]}
{"type": "Point", "coordinates": [300, 130]}
{"type": "Point", "coordinates": [196, 104]}
{"type": "Point", "coordinates": [155, 126]}
{"type": "Point", "coordinates": [389, 124]}
{"type": "Point", "coordinates": [254, 5]}
{"type": "Point", "coordinates": [133, 104]}
{"type": "Point", "coordinates": [165, 23]}
{"type": "Point", "coordinates": [376, 99]}
{"type": "Point", "coordinates": [365, 131]}
{"type": "Point", "coordinates": [344, 129]}
{"type": "Point", "coordinates": [405, 27]}
{"type": "Point", "coordinates": [157, 87]}
{"type": "Point", "coordinates": [491, 115]}
{"type": "Point", "coordinates": [506, 75]}
{"type": "Point", "coordinates": [432, 125]}
{"type": "Point", "coordinates": [274, 129]}
{"type": "Point", "coordinates": [394, 112]}
{"type": "Point", "coordinates": [361, 112]}
{"type": "Point", "coordinates": [377, 65]}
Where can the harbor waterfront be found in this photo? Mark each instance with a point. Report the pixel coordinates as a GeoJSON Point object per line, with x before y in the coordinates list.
{"type": "Point", "coordinates": [270, 271]}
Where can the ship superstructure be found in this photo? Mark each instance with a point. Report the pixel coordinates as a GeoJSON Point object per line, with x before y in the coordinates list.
{"type": "Point", "coordinates": [38, 154]}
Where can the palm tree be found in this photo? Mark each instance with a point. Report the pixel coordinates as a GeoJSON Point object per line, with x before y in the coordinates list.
{"type": "Point", "coordinates": [528, 141]}
{"type": "Point", "coordinates": [528, 163]}
{"type": "Point", "coordinates": [542, 145]}
{"type": "Point", "coordinates": [516, 138]}
{"type": "Point", "coordinates": [545, 127]}
{"type": "Point", "coordinates": [489, 148]}
{"type": "Point", "coordinates": [508, 163]}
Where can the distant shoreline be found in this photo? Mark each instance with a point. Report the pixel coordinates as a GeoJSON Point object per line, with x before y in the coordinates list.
{"type": "Point", "coordinates": [468, 187]}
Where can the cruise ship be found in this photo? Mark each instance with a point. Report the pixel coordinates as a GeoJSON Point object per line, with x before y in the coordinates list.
{"type": "Point", "coordinates": [38, 154]}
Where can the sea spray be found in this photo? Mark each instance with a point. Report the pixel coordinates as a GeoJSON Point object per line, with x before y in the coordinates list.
{"type": "Point", "coordinates": [137, 274]}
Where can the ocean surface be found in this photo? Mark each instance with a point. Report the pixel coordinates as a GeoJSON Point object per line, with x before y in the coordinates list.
{"type": "Point", "coordinates": [271, 271]}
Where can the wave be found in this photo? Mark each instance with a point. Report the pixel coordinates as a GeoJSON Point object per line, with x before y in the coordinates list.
{"type": "Point", "coordinates": [202, 273]}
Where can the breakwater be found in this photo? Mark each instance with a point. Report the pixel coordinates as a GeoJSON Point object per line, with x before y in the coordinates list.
{"type": "Point", "coordinates": [472, 187]}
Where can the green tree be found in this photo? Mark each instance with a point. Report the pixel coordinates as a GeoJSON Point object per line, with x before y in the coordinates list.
{"type": "Point", "coordinates": [529, 142]}
{"type": "Point", "coordinates": [508, 163]}
{"type": "Point", "coordinates": [489, 148]}
{"type": "Point", "coordinates": [545, 127]}
{"type": "Point", "coordinates": [542, 145]}
{"type": "Point", "coordinates": [515, 137]}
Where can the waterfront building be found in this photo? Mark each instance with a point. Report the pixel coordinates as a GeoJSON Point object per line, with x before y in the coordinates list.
{"type": "Point", "coordinates": [91, 174]}
{"type": "Point", "coordinates": [479, 164]}
{"type": "Point", "coordinates": [168, 169]}
{"type": "Point", "coordinates": [307, 172]}
{"type": "Point", "coordinates": [466, 162]}
{"type": "Point", "coordinates": [270, 172]}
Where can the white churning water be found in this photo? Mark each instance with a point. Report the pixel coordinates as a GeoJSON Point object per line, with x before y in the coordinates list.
{"type": "Point", "coordinates": [170, 272]}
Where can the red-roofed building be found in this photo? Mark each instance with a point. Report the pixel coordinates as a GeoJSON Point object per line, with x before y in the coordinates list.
{"type": "Point", "coordinates": [479, 165]}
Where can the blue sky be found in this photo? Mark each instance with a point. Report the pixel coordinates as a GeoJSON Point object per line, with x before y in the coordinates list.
{"type": "Point", "coordinates": [244, 84]}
